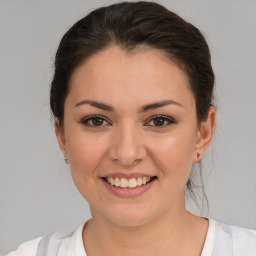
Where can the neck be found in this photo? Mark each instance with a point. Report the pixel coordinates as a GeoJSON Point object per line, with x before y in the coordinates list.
{"type": "Point", "coordinates": [168, 233]}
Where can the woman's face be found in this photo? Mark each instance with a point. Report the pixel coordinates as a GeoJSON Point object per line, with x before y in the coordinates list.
{"type": "Point", "coordinates": [130, 116]}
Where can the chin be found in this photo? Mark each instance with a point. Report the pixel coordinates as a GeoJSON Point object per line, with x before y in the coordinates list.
{"type": "Point", "coordinates": [129, 217]}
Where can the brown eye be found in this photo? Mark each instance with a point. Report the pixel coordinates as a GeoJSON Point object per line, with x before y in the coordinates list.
{"type": "Point", "coordinates": [98, 121]}
{"type": "Point", "coordinates": [161, 121]}
{"type": "Point", "coordinates": [94, 121]}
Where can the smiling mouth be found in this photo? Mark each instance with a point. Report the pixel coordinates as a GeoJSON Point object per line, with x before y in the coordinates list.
{"type": "Point", "coordinates": [128, 183]}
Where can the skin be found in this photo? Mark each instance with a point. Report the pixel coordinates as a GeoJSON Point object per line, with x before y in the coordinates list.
{"type": "Point", "coordinates": [127, 141]}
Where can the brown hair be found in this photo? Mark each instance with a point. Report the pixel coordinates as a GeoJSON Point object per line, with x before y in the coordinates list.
{"type": "Point", "coordinates": [130, 25]}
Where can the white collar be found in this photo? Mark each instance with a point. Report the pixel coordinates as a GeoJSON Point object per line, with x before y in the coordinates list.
{"type": "Point", "coordinates": [76, 247]}
{"type": "Point", "coordinates": [209, 240]}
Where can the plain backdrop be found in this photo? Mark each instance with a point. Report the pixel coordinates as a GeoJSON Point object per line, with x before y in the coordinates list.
{"type": "Point", "coordinates": [37, 194]}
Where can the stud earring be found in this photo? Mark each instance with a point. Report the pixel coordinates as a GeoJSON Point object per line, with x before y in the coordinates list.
{"type": "Point", "coordinates": [199, 156]}
{"type": "Point", "coordinates": [66, 160]}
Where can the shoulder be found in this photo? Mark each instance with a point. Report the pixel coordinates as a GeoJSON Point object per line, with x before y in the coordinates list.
{"type": "Point", "coordinates": [28, 248]}
{"type": "Point", "coordinates": [237, 233]}
{"type": "Point", "coordinates": [52, 243]}
{"type": "Point", "coordinates": [241, 241]}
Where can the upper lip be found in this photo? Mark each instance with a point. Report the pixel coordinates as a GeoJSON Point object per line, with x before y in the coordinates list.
{"type": "Point", "coordinates": [126, 175]}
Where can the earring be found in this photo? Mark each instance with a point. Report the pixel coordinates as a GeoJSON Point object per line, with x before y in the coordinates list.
{"type": "Point", "coordinates": [66, 160]}
{"type": "Point", "coordinates": [199, 157]}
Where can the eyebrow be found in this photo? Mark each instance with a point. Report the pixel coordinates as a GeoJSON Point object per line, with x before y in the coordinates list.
{"type": "Point", "coordinates": [142, 109]}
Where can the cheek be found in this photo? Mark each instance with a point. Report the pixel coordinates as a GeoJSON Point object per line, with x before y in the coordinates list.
{"type": "Point", "coordinates": [174, 155]}
{"type": "Point", "coordinates": [85, 153]}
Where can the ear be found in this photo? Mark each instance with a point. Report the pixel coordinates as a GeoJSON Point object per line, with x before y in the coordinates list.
{"type": "Point", "coordinates": [60, 136]}
{"type": "Point", "coordinates": [205, 134]}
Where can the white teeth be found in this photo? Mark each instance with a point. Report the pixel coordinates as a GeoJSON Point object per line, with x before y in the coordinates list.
{"type": "Point", "coordinates": [117, 182]}
{"type": "Point", "coordinates": [139, 181]}
{"type": "Point", "coordinates": [124, 183]}
{"type": "Point", "coordinates": [112, 182]}
{"type": "Point", "coordinates": [128, 183]}
{"type": "Point", "coordinates": [132, 183]}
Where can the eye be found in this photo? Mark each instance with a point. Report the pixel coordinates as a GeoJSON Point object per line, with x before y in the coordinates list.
{"type": "Point", "coordinates": [161, 121]}
{"type": "Point", "coordinates": [94, 121]}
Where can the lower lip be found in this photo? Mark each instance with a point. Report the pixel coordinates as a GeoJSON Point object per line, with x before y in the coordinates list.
{"type": "Point", "coordinates": [128, 192]}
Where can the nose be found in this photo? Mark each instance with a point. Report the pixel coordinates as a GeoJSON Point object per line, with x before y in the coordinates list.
{"type": "Point", "coordinates": [127, 145]}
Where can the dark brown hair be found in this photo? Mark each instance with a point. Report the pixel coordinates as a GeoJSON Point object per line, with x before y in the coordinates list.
{"type": "Point", "coordinates": [130, 25]}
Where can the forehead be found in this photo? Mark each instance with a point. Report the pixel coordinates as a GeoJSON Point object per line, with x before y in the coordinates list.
{"type": "Point", "coordinates": [143, 74]}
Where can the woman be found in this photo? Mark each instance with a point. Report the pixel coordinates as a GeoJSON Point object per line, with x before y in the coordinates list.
{"type": "Point", "coordinates": [132, 97]}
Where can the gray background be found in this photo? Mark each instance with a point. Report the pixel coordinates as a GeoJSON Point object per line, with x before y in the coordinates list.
{"type": "Point", "coordinates": [37, 194]}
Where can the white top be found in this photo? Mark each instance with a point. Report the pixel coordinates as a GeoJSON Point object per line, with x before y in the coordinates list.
{"type": "Point", "coordinates": [221, 239]}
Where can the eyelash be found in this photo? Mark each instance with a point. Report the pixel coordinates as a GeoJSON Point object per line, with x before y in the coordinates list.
{"type": "Point", "coordinates": [90, 118]}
